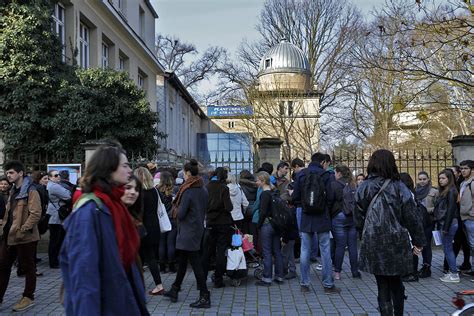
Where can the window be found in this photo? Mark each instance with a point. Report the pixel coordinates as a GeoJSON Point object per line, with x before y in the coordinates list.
{"type": "Point", "coordinates": [290, 108]}
{"type": "Point", "coordinates": [141, 81]}
{"type": "Point", "coordinates": [123, 62]}
{"type": "Point", "coordinates": [105, 55]}
{"type": "Point", "coordinates": [282, 108]}
{"type": "Point", "coordinates": [84, 39]}
{"type": "Point", "coordinates": [268, 63]}
{"type": "Point", "coordinates": [58, 26]}
{"type": "Point", "coordinates": [141, 22]}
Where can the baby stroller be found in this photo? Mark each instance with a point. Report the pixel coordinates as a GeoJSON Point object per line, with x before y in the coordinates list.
{"type": "Point", "coordinates": [236, 263]}
{"type": "Point", "coordinates": [256, 262]}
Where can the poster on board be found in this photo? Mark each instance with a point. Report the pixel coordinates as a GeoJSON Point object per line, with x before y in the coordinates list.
{"type": "Point", "coordinates": [75, 170]}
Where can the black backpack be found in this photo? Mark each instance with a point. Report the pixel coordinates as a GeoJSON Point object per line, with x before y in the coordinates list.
{"type": "Point", "coordinates": [282, 219]}
{"type": "Point", "coordinates": [313, 193]}
{"type": "Point", "coordinates": [348, 200]}
{"type": "Point", "coordinates": [65, 207]}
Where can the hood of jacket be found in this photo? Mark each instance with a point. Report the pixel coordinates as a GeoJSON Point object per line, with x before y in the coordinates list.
{"type": "Point", "coordinates": [25, 186]}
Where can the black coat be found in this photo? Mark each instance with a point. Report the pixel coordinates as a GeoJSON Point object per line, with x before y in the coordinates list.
{"type": "Point", "coordinates": [150, 216]}
{"type": "Point", "coordinates": [385, 247]}
{"type": "Point", "coordinates": [446, 209]}
{"type": "Point", "coordinates": [219, 204]}
{"type": "Point", "coordinates": [191, 212]}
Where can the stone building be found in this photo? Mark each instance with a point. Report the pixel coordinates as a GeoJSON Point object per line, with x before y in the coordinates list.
{"type": "Point", "coordinates": [284, 101]}
{"type": "Point", "coordinates": [116, 34]}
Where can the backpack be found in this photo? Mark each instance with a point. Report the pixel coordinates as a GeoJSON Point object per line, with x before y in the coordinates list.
{"type": "Point", "coordinates": [313, 193]}
{"type": "Point", "coordinates": [348, 200]}
{"type": "Point", "coordinates": [282, 218]}
{"type": "Point", "coordinates": [66, 206]}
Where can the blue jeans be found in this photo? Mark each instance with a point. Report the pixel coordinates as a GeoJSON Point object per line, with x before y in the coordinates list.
{"type": "Point", "coordinates": [271, 248]}
{"type": "Point", "coordinates": [344, 234]}
{"type": "Point", "coordinates": [469, 225]}
{"type": "Point", "coordinates": [325, 247]}
{"type": "Point", "coordinates": [314, 249]}
{"type": "Point", "coordinates": [448, 246]}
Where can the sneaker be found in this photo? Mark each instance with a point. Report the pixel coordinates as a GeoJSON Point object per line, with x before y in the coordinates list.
{"type": "Point", "coordinates": [263, 283]}
{"type": "Point", "coordinates": [290, 275]}
{"type": "Point", "coordinates": [469, 273]}
{"type": "Point", "coordinates": [332, 290]}
{"type": "Point", "coordinates": [357, 275]}
{"type": "Point", "coordinates": [337, 275]}
{"type": "Point", "coordinates": [319, 267]}
{"type": "Point", "coordinates": [278, 281]}
{"type": "Point", "coordinates": [23, 304]}
{"type": "Point", "coordinates": [450, 278]}
{"type": "Point", "coordinates": [305, 289]}
{"type": "Point", "coordinates": [410, 278]}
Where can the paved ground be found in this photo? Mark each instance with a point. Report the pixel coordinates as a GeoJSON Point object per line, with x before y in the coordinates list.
{"type": "Point", "coordinates": [428, 297]}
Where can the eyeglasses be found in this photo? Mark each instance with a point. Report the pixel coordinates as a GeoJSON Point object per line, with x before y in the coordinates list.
{"type": "Point", "coordinates": [55, 175]}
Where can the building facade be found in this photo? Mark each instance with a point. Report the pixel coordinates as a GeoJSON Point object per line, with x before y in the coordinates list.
{"type": "Point", "coordinates": [116, 34]}
{"type": "Point", "coordinates": [181, 119]}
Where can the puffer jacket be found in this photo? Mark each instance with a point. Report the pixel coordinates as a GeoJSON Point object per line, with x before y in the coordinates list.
{"type": "Point", "coordinates": [26, 215]}
{"type": "Point", "coordinates": [467, 200]}
{"type": "Point", "coordinates": [238, 199]}
{"type": "Point", "coordinates": [385, 246]}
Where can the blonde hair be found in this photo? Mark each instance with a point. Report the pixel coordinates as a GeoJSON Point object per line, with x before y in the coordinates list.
{"type": "Point", "coordinates": [265, 178]}
{"type": "Point", "coordinates": [231, 178]}
{"type": "Point", "coordinates": [145, 177]}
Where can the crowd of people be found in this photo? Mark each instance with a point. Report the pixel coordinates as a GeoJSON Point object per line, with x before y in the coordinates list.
{"type": "Point", "coordinates": [118, 221]}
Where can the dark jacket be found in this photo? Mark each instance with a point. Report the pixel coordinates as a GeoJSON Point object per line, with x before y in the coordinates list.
{"type": "Point", "coordinates": [265, 206]}
{"type": "Point", "coordinates": [446, 209]}
{"type": "Point", "coordinates": [314, 223]}
{"type": "Point", "coordinates": [337, 187]}
{"type": "Point", "coordinates": [191, 213]}
{"type": "Point", "coordinates": [95, 282]}
{"type": "Point", "coordinates": [150, 216]}
{"type": "Point", "coordinates": [249, 188]}
{"type": "Point", "coordinates": [385, 246]}
{"type": "Point", "coordinates": [219, 205]}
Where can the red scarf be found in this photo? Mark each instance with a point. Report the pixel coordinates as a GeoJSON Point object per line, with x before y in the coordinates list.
{"type": "Point", "coordinates": [125, 230]}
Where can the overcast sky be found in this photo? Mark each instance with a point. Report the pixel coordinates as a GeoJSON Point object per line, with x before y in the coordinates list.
{"type": "Point", "coordinates": [217, 22]}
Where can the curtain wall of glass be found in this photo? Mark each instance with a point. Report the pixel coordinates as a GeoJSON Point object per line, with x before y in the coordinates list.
{"type": "Point", "coordinates": [226, 149]}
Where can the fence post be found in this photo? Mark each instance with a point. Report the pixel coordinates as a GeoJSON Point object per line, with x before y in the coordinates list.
{"type": "Point", "coordinates": [463, 148]}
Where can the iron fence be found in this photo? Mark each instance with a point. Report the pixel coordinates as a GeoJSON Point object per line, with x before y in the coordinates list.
{"type": "Point", "coordinates": [409, 161]}
{"type": "Point", "coordinates": [40, 160]}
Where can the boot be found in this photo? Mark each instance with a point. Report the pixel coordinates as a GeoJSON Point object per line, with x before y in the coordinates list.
{"type": "Point", "coordinates": [172, 293]}
{"type": "Point", "coordinates": [204, 300]}
{"type": "Point", "coordinates": [425, 271]}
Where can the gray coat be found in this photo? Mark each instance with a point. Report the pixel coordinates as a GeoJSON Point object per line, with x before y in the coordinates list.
{"type": "Point", "coordinates": [191, 216]}
{"type": "Point", "coordinates": [57, 193]}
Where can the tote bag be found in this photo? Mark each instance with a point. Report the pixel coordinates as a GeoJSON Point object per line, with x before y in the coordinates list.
{"type": "Point", "coordinates": [165, 224]}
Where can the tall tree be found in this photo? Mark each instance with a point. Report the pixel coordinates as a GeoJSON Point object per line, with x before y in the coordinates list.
{"type": "Point", "coordinates": [184, 59]}
{"type": "Point", "coordinates": [104, 104]}
{"type": "Point", "coordinates": [30, 72]}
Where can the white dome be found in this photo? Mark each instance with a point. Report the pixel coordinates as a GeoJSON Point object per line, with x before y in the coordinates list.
{"type": "Point", "coordinates": [284, 58]}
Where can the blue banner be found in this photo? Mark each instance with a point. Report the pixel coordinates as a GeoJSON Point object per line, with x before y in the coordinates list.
{"type": "Point", "coordinates": [229, 111]}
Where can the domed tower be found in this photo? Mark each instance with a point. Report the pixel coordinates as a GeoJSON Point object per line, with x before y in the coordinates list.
{"type": "Point", "coordinates": [284, 68]}
{"type": "Point", "coordinates": [286, 102]}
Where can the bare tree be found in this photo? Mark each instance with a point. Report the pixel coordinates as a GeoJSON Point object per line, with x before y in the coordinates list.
{"type": "Point", "coordinates": [389, 105]}
{"type": "Point", "coordinates": [175, 55]}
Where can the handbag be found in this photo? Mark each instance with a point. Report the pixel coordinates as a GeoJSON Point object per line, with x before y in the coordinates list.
{"type": "Point", "coordinates": [165, 224]}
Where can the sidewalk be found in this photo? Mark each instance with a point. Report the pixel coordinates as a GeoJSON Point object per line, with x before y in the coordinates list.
{"type": "Point", "coordinates": [358, 297]}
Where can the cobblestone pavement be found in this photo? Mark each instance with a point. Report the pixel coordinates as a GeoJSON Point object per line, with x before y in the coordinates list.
{"type": "Point", "coordinates": [358, 297]}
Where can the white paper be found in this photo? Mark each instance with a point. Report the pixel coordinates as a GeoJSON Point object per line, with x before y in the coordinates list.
{"type": "Point", "coordinates": [438, 237]}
